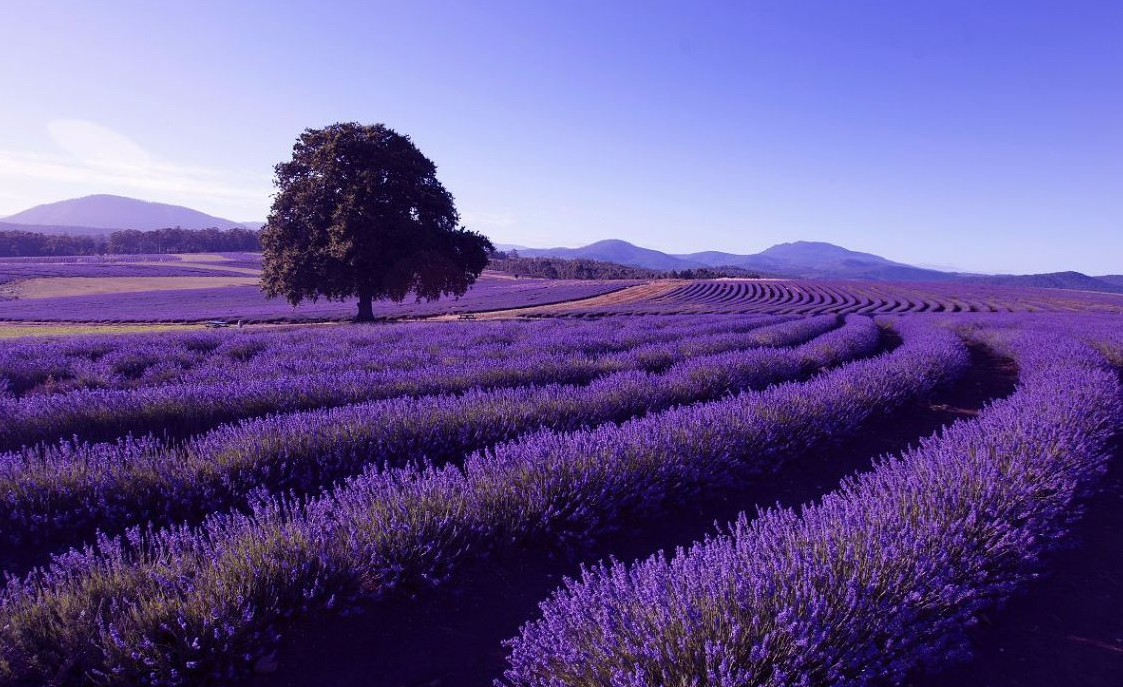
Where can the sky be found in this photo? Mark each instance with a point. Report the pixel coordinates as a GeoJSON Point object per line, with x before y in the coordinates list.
{"type": "Point", "coordinates": [984, 136]}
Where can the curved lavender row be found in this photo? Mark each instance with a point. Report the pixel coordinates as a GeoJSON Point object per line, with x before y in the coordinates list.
{"type": "Point", "coordinates": [74, 488]}
{"type": "Point", "coordinates": [1102, 332]}
{"type": "Point", "coordinates": [138, 360]}
{"type": "Point", "coordinates": [845, 297]}
{"type": "Point", "coordinates": [107, 361]}
{"type": "Point", "coordinates": [105, 481]}
{"type": "Point", "coordinates": [156, 606]}
{"type": "Point", "coordinates": [880, 577]}
{"type": "Point", "coordinates": [179, 410]}
{"type": "Point", "coordinates": [566, 353]}
{"type": "Point", "coordinates": [217, 356]}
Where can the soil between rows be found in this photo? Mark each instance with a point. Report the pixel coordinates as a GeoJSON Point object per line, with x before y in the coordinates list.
{"type": "Point", "coordinates": [454, 637]}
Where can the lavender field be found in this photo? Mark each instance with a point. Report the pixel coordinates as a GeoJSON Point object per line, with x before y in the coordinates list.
{"type": "Point", "coordinates": [810, 297]}
{"type": "Point", "coordinates": [744, 498]}
{"type": "Point", "coordinates": [150, 288]}
{"type": "Point", "coordinates": [194, 288]}
{"type": "Point", "coordinates": [570, 344]}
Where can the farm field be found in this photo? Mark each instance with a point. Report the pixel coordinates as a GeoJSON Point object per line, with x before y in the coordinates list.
{"type": "Point", "coordinates": [807, 297]}
{"type": "Point", "coordinates": [571, 500]}
{"type": "Point", "coordinates": [736, 344]}
{"type": "Point", "coordinates": [201, 287]}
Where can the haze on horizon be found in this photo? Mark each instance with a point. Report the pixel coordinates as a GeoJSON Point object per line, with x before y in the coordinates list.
{"type": "Point", "coordinates": [984, 136]}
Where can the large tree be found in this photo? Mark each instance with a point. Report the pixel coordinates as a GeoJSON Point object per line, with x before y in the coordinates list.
{"type": "Point", "coordinates": [359, 213]}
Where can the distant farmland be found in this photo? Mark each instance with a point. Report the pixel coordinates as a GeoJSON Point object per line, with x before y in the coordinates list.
{"type": "Point", "coordinates": [193, 288]}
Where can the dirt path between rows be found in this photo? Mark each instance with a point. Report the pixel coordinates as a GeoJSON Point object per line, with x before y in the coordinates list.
{"type": "Point", "coordinates": [628, 294]}
{"type": "Point", "coordinates": [453, 638]}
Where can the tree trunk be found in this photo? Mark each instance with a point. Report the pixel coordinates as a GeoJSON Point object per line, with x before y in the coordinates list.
{"type": "Point", "coordinates": [366, 312]}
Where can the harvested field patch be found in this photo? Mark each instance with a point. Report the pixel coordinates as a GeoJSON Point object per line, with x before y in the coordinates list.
{"type": "Point", "coordinates": [56, 287]}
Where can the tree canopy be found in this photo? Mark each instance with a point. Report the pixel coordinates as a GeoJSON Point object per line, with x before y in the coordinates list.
{"type": "Point", "coordinates": [359, 212]}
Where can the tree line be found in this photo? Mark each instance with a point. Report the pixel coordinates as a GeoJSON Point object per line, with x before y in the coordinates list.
{"type": "Point", "coordinates": [566, 268]}
{"type": "Point", "coordinates": [19, 243]}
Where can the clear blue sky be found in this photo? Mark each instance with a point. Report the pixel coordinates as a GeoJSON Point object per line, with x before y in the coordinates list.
{"type": "Point", "coordinates": [986, 135]}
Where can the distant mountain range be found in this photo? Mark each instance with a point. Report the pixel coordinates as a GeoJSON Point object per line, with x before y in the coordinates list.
{"type": "Point", "coordinates": [105, 213]}
{"type": "Point", "coordinates": [807, 259]}
{"type": "Point", "coordinates": [101, 214]}
{"type": "Point", "coordinates": [813, 260]}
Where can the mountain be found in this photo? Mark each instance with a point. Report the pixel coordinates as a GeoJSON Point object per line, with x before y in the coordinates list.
{"type": "Point", "coordinates": [614, 250]}
{"type": "Point", "coordinates": [819, 253]}
{"type": "Point", "coordinates": [106, 212]}
{"type": "Point", "coordinates": [808, 259]}
{"type": "Point", "coordinates": [1076, 281]}
{"type": "Point", "coordinates": [814, 260]}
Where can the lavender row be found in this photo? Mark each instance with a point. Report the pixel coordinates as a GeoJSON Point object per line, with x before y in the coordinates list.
{"type": "Point", "coordinates": [1102, 332]}
{"type": "Point", "coordinates": [72, 488]}
{"type": "Point", "coordinates": [106, 361]}
{"type": "Point", "coordinates": [138, 360]}
{"type": "Point", "coordinates": [879, 578]}
{"type": "Point", "coordinates": [165, 606]}
{"type": "Point", "coordinates": [179, 410]}
{"type": "Point", "coordinates": [846, 297]}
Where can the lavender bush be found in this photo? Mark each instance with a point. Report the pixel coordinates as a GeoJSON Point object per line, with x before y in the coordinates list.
{"type": "Point", "coordinates": [810, 297]}
{"type": "Point", "coordinates": [138, 360]}
{"type": "Point", "coordinates": [880, 577]}
{"type": "Point", "coordinates": [166, 606]}
{"type": "Point", "coordinates": [72, 487]}
{"type": "Point", "coordinates": [363, 463]}
{"type": "Point", "coordinates": [182, 409]}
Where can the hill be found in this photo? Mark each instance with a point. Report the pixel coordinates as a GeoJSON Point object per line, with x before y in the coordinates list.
{"type": "Point", "coordinates": [617, 251]}
{"type": "Point", "coordinates": [808, 259]}
{"type": "Point", "coordinates": [107, 212]}
{"type": "Point", "coordinates": [814, 260]}
{"type": "Point", "coordinates": [817, 259]}
{"type": "Point", "coordinates": [1076, 281]}
{"type": "Point", "coordinates": [98, 215]}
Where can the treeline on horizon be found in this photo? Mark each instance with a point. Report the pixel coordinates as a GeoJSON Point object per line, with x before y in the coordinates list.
{"type": "Point", "coordinates": [568, 268]}
{"type": "Point", "coordinates": [20, 243]}
{"type": "Point", "coordinates": [17, 243]}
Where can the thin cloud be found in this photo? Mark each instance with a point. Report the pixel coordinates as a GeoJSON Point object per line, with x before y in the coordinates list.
{"type": "Point", "coordinates": [102, 160]}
